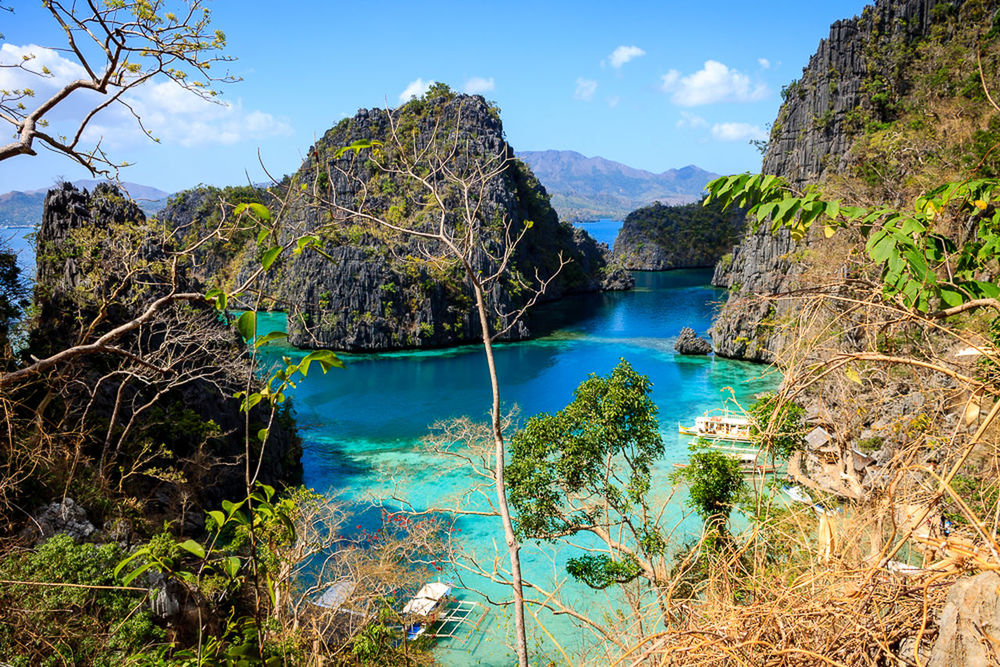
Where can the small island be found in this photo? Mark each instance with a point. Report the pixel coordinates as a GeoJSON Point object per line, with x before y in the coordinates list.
{"type": "Point", "coordinates": [659, 238]}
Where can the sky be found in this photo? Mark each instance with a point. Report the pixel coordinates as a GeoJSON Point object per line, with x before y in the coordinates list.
{"type": "Point", "coordinates": [654, 85]}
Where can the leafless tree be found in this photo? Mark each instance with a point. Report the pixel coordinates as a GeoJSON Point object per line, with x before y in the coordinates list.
{"type": "Point", "coordinates": [115, 48]}
{"type": "Point", "coordinates": [451, 182]}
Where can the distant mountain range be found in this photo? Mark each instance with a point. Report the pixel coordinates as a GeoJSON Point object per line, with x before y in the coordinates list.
{"type": "Point", "coordinates": [582, 188]}
{"type": "Point", "coordinates": [593, 188]}
{"type": "Point", "coordinates": [24, 209]}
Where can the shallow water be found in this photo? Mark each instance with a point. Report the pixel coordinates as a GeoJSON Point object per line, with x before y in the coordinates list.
{"type": "Point", "coordinates": [362, 426]}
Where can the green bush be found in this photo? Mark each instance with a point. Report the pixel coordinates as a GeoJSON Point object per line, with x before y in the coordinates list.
{"type": "Point", "coordinates": [715, 485]}
{"type": "Point", "coordinates": [786, 436]}
{"type": "Point", "coordinates": [57, 625]}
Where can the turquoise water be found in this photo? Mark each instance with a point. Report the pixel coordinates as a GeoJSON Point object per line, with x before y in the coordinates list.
{"type": "Point", "coordinates": [362, 426]}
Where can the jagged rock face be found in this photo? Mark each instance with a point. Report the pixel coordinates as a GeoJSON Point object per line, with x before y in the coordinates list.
{"type": "Point", "coordinates": [100, 260]}
{"type": "Point", "coordinates": [65, 516]}
{"type": "Point", "coordinates": [660, 238]}
{"type": "Point", "coordinates": [688, 342]}
{"type": "Point", "coordinates": [813, 132]}
{"type": "Point", "coordinates": [810, 139]}
{"type": "Point", "coordinates": [762, 265]}
{"type": "Point", "coordinates": [372, 289]}
{"type": "Point", "coordinates": [65, 290]}
{"type": "Point", "coordinates": [969, 623]}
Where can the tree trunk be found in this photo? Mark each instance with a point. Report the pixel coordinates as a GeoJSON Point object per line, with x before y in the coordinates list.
{"type": "Point", "coordinates": [521, 640]}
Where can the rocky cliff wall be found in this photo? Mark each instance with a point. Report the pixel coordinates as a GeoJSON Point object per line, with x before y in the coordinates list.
{"type": "Point", "coordinates": [374, 289]}
{"type": "Point", "coordinates": [171, 381]}
{"type": "Point", "coordinates": [810, 140]}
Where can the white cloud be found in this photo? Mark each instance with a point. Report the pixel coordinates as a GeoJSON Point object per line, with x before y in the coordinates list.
{"type": "Point", "coordinates": [170, 113]}
{"type": "Point", "coordinates": [613, 101]}
{"type": "Point", "coordinates": [585, 89]}
{"type": "Point", "coordinates": [62, 70]}
{"type": "Point", "coordinates": [416, 88]}
{"type": "Point", "coordinates": [764, 63]}
{"type": "Point", "coordinates": [691, 121]}
{"type": "Point", "coordinates": [477, 85]}
{"type": "Point", "coordinates": [623, 54]}
{"type": "Point", "coordinates": [713, 83]}
{"type": "Point", "coordinates": [737, 132]}
{"type": "Point", "coordinates": [177, 117]}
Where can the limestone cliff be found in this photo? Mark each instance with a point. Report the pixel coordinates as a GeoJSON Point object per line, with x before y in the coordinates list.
{"type": "Point", "coordinates": [372, 289]}
{"type": "Point", "coordinates": [159, 402]}
{"type": "Point", "coordinates": [658, 237]}
{"type": "Point", "coordinates": [855, 83]}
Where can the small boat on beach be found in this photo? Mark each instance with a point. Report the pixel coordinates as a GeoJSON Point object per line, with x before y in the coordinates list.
{"type": "Point", "coordinates": [723, 426]}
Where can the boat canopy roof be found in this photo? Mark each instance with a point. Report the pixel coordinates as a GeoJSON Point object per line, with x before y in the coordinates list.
{"type": "Point", "coordinates": [337, 594]}
{"type": "Point", "coordinates": [427, 598]}
{"type": "Point", "coordinates": [722, 419]}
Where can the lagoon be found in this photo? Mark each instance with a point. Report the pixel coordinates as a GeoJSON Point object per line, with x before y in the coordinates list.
{"type": "Point", "coordinates": [362, 426]}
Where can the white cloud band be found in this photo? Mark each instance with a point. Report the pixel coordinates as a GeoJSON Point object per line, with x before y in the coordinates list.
{"type": "Point", "coordinates": [713, 83]}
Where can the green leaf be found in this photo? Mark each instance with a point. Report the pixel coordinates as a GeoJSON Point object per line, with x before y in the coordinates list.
{"type": "Point", "coordinates": [528, 224]}
{"type": "Point", "coordinates": [325, 358]}
{"type": "Point", "coordinates": [270, 255]}
{"type": "Point", "coordinates": [231, 566]}
{"type": "Point", "coordinates": [193, 547]}
{"type": "Point", "coordinates": [786, 210]}
{"type": "Point", "coordinates": [304, 243]}
{"type": "Point", "coordinates": [251, 401]}
{"type": "Point", "coordinates": [134, 574]}
{"type": "Point", "coordinates": [262, 434]}
{"type": "Point", "coordinates": [118, 568]}
{"type": "Point", "coordinates": [258, 210]}
{"type": "Point", "coordinates": [247, 325]}
{"type": "Point", "coordinates": [917, 264]}
{"type": "Point", "coordinates": [833, 209]}
{"type": "Point", "coordinates": [880, 246]}
{"type": "Point", "coordinates": [230, 507]}
{"type": "Point", "coordinates": [357, 147]}
{"type": "Point", "coordinates": [218, 517]}
{"type": "Point", "coordinates": [267, 338]}
{"type": "Point", "coordinates": [220, 298]}
{"type": "Point", "coordinates": [988, 290]}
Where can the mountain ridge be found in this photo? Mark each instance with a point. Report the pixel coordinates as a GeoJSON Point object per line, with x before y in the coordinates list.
{"type": "Point", "coordinates": [586, 188]}
{"type": "Point", "coordinates": [23, 208]}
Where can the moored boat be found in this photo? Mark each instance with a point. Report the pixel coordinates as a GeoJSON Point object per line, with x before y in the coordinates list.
{"type": "Point", "coordinates": [723, 426]}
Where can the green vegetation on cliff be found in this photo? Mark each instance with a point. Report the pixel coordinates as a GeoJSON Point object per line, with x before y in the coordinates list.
{"type": "Point", "coordinates": [661, 237]}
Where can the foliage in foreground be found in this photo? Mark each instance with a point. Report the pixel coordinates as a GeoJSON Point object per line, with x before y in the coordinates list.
{"type": "Point", "coordinates": [79, 625]}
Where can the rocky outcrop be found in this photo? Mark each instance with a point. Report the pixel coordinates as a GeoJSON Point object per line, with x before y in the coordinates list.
{"type": "Point", "coordinates": [688, 342]}
{"type": "Point", "coordinates": [811, 138]}
{"type": "Point", "coordinates": [659, 238]}
{"type": "Point", "coordinates": [969, 627]}
{"type": "Point", "coordinates": [64, 516]}
{"type": "Point", "coordinates": [172, 380]}
{"type": "Point", "coordinates": [370, 288]}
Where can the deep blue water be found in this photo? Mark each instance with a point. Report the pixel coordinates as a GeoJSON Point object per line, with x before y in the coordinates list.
{"type": "Point", "coordinates": [603, 231]}
{"type": "Point", "coordinates": [21, 242]}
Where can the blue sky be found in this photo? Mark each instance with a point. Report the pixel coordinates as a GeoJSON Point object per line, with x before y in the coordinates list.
{"type": "Point", "coordinates": [655, 85]}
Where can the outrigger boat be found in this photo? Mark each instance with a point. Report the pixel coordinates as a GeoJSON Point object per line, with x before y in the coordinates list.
{"type": "Point", "coordinates": [724, 426]}
{"type": "Point", "coordinates": [440, 616]}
